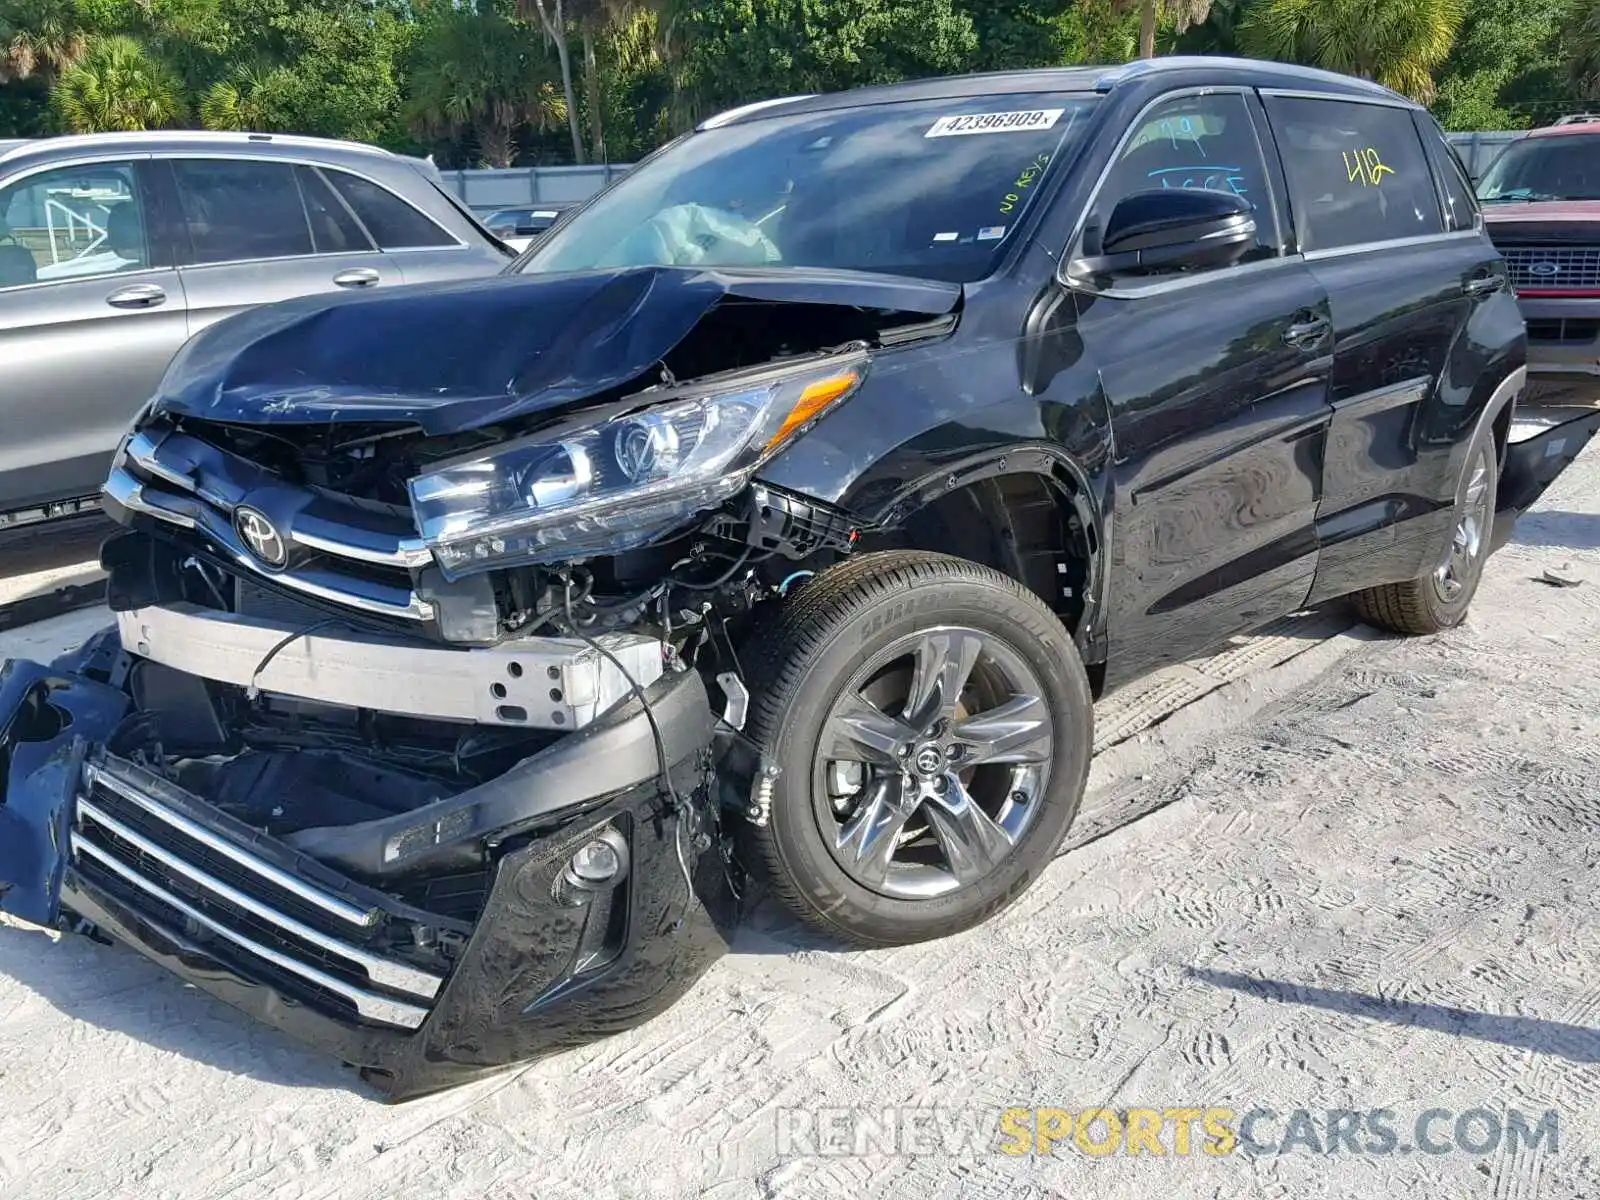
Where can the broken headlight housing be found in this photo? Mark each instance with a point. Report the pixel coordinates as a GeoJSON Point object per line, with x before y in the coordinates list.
{"type": "Point", "coordinates": [617, 483]}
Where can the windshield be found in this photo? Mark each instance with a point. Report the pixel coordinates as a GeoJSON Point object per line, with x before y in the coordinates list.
{"type": "Point", "coordinates": [1566, 167]}
{"type": "Point", "coordinates": [929, 189]}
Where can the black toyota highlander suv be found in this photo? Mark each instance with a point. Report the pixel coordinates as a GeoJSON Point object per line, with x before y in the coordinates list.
{"type": "Point", "coordinates": [779, 516]}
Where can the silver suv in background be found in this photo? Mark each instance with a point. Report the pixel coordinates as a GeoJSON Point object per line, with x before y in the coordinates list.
{"type": "Point", "coordinates": [115, 249]}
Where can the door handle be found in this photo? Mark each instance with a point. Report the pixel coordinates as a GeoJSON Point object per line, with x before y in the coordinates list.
{"type": "Point", "coordinates": [1482, 285]}
{"type": "Point", "coordinates": [140, 295]}
{"type": "Point", "coordinates": [1307, 333]}
{"type": "Point", "coordinates": [360, 277]}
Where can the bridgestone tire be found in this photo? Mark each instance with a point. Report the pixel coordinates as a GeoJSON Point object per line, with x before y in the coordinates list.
{"type": "Point", "coordinates": [800, 662]}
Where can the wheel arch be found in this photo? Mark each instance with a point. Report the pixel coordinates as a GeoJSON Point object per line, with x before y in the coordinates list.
{"type": "Point", "coordinates": [1028, 511]}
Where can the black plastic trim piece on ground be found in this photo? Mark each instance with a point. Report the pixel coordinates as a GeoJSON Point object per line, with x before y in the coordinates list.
{"type": "Point", "coordinates": [46, 605]}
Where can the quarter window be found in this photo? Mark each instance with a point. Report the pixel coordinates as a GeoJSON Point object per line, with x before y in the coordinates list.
{"type": "Point", "coordinates": [1357, 172]}
{"type": "Point", "coordinates": [72, 223]}
{"type": "Point", "coordinates": [240, 211]}
{"type": "Point", "coordinates": [1205, 142]}
{"type": "Point", "coordinates": [1460, 204]}
{"type": "Point", "coordinates": [393, 223]}
{"type": "Point", "coordinates": [333, 229]}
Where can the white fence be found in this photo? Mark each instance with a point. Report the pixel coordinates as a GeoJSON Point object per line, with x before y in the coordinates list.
{"type": "Point", "coordinates": [518, 187]}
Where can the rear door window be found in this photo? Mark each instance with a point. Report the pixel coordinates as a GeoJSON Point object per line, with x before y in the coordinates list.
{"type": "Point", "coordinates": [1357, 172]}
{"type": "Point", "coordinates": [393, 223]}
{"type": "Point", "coordinates": [238, 211]}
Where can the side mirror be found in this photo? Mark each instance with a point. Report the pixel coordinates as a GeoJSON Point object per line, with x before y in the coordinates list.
{"type": "Point", "coordinates": [1171, 229]}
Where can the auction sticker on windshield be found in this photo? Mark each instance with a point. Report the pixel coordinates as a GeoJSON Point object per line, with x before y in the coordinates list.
{"type": "Point", "coordinates": [1000, 122]}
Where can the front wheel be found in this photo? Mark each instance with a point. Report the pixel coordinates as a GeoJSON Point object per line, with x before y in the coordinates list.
{"type": "Point", "coordinates": [1439, 600]}
{"type": "Point", "coordinates": [932, 726]}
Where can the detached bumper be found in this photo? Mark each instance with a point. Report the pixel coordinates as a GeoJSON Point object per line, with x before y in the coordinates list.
{"type": "Point", "coordinates": [468, 951]}
{"type": "Point", "coordinates": [1545, 439]}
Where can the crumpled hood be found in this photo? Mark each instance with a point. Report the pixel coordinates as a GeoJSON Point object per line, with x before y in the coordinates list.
{"type": "Point", "coordinates": [456, 356]}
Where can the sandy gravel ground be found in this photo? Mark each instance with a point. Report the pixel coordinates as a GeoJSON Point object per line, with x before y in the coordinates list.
{"type": "Point", "coordinates": [1326, 870]}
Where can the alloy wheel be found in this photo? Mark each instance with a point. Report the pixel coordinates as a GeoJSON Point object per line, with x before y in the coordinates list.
{"type": "Point", "coordinates": [932, 763]}
{"type": "Point", "coordinates": [1454, 573]}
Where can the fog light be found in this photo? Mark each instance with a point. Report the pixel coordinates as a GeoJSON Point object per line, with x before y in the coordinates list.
{"type": "Point", "coordinates": [598, 864]}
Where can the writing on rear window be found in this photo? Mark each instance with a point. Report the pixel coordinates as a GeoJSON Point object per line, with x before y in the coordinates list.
{"type": "Point", "coordinates": [1365, 166]}
{"type": "Point", "coordinates": [1026, 121]}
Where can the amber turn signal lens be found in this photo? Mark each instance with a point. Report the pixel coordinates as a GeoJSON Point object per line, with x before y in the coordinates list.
{"type": "Point", "coordinates": [813, 402]}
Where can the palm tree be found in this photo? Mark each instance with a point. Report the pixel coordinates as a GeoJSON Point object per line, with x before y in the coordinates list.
{"type": "Point", "coordinates": [603, 20]}
{"type": "Point", "coordinates": [553, 17]}
{"type": "Point", "coordinates": [1583, 34]}
{"type": "Point", "coordinates": [116, 86]}
{"type": "Point", "coordinates": [39, 37]}
{"type": "Point", "coordinates": [251, 100]}
{"type": "Point", "coordinates": [1398, 43]}
{"type": "Point", "coordinates": [1182, 15]}
{"type": "Point", "coordinates": [484, 75]}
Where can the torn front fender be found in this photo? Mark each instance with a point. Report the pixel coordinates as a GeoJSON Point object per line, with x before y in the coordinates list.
{"type": "Point", "coordinates": [48, 719]}
{"type": "Point", "coordinates": [1544, 443]}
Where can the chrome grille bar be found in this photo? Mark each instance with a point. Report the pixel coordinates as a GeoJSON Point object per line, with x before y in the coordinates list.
{"type": "Point", "coordinates": [293, 884]}
{"type": "Point", "coordinates": [173, 476]}
{"type": "Point", "coordinates": [188, 511]}
{"type": "Point", "coordinates": [379, 970]}
{"type": "Point", "coordinates": [369, 1005]}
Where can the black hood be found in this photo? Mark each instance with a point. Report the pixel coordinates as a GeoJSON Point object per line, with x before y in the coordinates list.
{"type": "Point", "coordinates": [456, 356]}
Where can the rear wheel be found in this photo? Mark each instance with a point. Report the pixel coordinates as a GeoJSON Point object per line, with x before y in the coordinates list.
{"type": "Point", "coordinates": [1439, 600]}
{"type": "Point", "coordinates": [932, 724]}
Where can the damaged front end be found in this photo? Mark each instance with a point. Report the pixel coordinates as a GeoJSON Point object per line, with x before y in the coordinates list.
{"type": "Point", "coordinates": [404, 740]}
{"type": "Point", "coordinates": [425, 902]}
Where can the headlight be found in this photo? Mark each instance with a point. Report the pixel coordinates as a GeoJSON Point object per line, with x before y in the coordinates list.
{"type": "Point", "coordinates": [616, 484]}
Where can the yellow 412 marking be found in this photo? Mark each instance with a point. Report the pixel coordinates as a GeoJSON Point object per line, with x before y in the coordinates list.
{"type": "Point", "coordinates": [1366, 166]}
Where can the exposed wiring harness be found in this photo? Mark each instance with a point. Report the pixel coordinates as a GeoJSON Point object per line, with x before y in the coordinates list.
{"type": "Point", "coordinates": [680, 806]}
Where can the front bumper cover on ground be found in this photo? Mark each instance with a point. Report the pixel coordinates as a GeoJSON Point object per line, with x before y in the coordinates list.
{"type": "Point", "coordinates": [344, 963]}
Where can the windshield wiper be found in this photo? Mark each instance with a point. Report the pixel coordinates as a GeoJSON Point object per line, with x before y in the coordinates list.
{"type": "Point", "coordinates": [1520, 196]}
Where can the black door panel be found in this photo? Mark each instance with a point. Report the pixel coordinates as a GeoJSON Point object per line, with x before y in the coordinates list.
{"type": "Point", "coordinates": [1388, 485]}
{"type": "Point", "coordinates": [1219, 416]}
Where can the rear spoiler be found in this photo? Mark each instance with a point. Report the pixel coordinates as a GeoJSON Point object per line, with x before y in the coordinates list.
{"type": "Point", "coordinates": [1544, 442]}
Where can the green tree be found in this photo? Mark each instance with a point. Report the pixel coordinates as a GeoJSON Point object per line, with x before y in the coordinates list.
{"type": "Point", "coordinates": [1504, 71]}
{"type": "Point", "coordinates": [256, 98]}
{"type": "Point", "coordinates": [24, 109]}
{"type": "Point", "coordinates": [116, 87]}
{"type": "Point", "coordinates": [1398, 43]}
{"type": "Point", "coordinates": [481, 76]}
{"type": "Point", "coordinates": [1583, 40]}
{"type": "Point", "coordinates": [40, 37]}
{"type": "Point", "coordinates": [1024, 33]}
{"type": "Point", "coordinates": [1179, 15]}
{"type": "Point", "coordinates": [745, 50]}
{"type": "Point", "coordinates": [553, 18]}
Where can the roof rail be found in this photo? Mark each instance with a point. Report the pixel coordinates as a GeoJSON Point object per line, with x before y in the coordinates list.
{"type": "Point", "coordinates": [187, 135]}
{"type": "Point", "coordinates": [733, 114]}
{"type": "Point", "coordinates": [1579, 119]}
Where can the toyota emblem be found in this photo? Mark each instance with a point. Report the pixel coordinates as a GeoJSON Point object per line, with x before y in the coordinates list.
{"type": "Point", "coordinates": [260, 536]}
